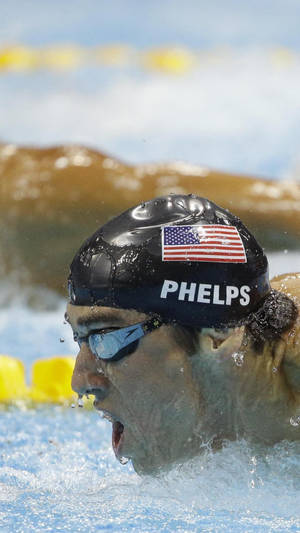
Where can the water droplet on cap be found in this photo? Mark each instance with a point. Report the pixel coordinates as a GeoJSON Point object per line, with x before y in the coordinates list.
{"type": "Point", "coordinates": [295, 421]}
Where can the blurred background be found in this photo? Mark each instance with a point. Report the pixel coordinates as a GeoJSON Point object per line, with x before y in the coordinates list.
{"type": "Point", "coordinates": [211, 83]}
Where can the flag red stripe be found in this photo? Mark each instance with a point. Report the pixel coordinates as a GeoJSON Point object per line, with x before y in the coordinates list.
{"type": "Point", "coordinates": [224, 256]}
{"type": "Point", "coordinates": [218, 226]}
{"type": "Point", "coordinates": [216, 232]}
{"type": "Point", "coordinates": [210, 240]}
{"type": "Point", "coordinates": [219, 236]}
{"type": "Point", "coordinates": [204, 247]}
{"type": "Point", "coordinates": [204, 252]}
{"type": "Point", "coordinates": [205, 243]}
{"type": "Point", "coordinates": [210, 260]}
{"type": "Point", "coordinates": [214, 238]}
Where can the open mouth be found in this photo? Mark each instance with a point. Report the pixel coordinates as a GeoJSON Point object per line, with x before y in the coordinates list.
{"type": "Point", "coordinates": [117, 437]}
{"type": "Point", "coordinates": [117, 431]}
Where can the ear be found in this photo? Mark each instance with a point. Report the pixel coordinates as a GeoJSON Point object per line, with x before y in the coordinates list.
{"type": "Point", "coordinates": [218, 344]}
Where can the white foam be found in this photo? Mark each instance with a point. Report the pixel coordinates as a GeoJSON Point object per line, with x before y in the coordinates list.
{"type": "Point", "coordinates": [61, 470]}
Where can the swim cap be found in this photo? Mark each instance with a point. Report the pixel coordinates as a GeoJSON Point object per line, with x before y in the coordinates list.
{"type": "Point", "coordinates": [179, 256]}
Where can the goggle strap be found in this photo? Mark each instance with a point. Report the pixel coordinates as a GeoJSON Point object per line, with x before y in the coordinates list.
{"type": "Point", "coordinates": [151, 324]}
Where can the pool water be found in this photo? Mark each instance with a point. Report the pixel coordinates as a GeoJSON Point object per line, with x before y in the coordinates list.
{"type": "Point", "coordinates": [58, 473]}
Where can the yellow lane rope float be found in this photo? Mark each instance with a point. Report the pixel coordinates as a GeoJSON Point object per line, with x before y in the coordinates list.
{"type": "Point", "coordinates": [166, 59]}
{"type": "Point", "coordinates": [51, 380]}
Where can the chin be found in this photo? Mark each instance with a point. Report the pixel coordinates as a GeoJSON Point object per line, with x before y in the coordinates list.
{"type": "Point", "coordinates": [148, 468]}
{"type": "Point", "coordinates": [151, 456]}
{"type": "Point", "coordinates": [154, 465]}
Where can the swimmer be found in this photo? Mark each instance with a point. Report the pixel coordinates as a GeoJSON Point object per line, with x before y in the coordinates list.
{"type": "Point", "coordinates": [183, 340]}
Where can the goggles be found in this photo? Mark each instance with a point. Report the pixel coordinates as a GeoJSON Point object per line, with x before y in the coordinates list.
{"type": "Point", "coordinates": [115, 344]}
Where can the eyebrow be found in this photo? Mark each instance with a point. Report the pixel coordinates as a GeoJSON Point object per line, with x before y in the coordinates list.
{"type": "Point", "coordinates": [104, 317]}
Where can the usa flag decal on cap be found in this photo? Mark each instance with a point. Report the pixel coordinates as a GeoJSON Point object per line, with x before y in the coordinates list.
{"type": "Point", "coordinates": [212, 243]}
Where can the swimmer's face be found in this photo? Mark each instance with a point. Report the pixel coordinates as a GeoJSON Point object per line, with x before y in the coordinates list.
{"type": "Point", "coordinates": [151, 395]}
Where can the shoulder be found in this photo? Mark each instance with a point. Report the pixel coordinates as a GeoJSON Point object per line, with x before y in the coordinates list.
{"type": "Point", "coordinates": [289, 284]}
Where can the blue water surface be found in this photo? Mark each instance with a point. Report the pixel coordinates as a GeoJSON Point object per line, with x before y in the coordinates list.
{"type": "Point", "coordinates": [58, 473]}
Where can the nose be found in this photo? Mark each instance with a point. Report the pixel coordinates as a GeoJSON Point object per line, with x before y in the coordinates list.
{"type": "Point", "coordinates": [88, 377]}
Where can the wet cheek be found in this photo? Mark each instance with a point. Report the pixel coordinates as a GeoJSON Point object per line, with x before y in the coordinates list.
{"type": "Point", "coordinates": [152, 380]}
{"type": "Point", "coordinates": [176, 366]}
{"type": "Point", "coordinates": [137, 388]}
{"type": "Point", "coordinates": [135, 367]}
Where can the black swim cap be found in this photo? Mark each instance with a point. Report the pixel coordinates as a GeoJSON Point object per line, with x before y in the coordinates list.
{"type": "Point", "coordinates": [179, 256]}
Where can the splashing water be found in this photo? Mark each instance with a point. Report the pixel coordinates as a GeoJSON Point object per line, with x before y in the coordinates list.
{"type": "Point", "coordinates": [123, 460]}
{"type": "Point", "coordinates": [58, 473]}
{"type": "Point", "coordinates": [80, 401]}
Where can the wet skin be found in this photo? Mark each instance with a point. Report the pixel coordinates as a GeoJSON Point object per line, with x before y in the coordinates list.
{"type": "Point", "coordinates": [152, 392]}
{"type": "Point", "coordinates": [176, 393]}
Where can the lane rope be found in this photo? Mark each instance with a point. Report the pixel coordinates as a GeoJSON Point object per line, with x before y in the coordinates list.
{"type": "Point", "coordinates": [50, 383]}
{"type": "Point", "coordinates": [165, 59]}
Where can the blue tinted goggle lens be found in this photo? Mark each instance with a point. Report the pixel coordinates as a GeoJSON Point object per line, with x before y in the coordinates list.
{"type": "Point", "coordinates": [118, 343]}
